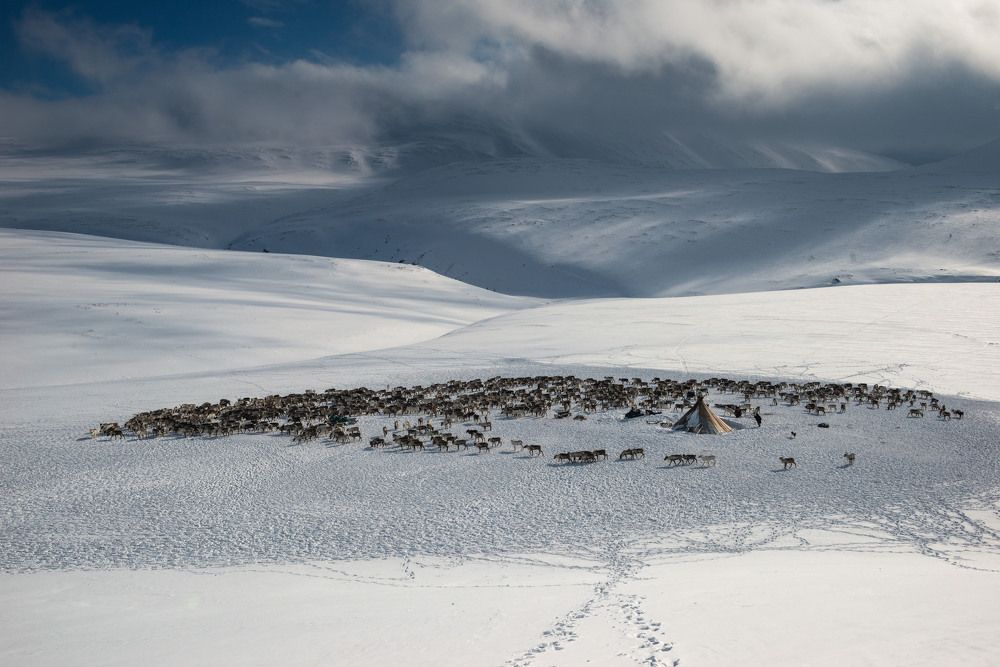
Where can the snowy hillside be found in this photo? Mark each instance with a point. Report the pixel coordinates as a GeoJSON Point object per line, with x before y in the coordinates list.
{"type": "Point", "coordinates": [589, 229]}
{"type": "Point", "coordinates": [421, 145]}
{"type": "Point", "coordinates": [292, 553]}
{"type": "Point", "coordinates": [982, 160]}
{"type": "Point", "coordinates": [96, 309]}
{"type": "Point", "coordinates": [552, 227]}
{"type": "Point", "coordinates": [941, 336]}
{"type": "Point", "coordinates": [257, 550]}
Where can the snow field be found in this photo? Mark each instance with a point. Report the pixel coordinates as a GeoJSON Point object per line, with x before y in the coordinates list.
{"type": "Point", "coordinates": [938, 336]}
{"type": "Point", "coordinates": [249, 499]}
{"type": "Point", "coordinates": [833, 600]}
{"type": "Point", "coordinates": [414, 612]}
{"type": "Point", "coordinates": [79, 309]}
{"type": "Point", "coordinates": [248, 550]}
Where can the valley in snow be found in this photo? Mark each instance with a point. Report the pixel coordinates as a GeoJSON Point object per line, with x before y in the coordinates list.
{"type": "Point", "coordinates": [537, 226]}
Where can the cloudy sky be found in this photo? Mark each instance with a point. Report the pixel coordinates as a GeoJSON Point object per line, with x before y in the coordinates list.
{"type": "Point", "coordinates": [913, 79]}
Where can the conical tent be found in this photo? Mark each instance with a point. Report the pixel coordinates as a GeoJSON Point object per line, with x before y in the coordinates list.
{"type": "Point", "coordinates": [701, 419]}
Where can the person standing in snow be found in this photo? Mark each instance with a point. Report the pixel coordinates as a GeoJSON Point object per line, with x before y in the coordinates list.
{"type": "Point", "coordinates": [756, 416]}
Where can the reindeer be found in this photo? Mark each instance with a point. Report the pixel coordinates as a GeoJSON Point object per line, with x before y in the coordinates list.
{"type": "Point", "coordinates": [105, 428]}
{"type": "Point", "coordinates": [787, 461]}
{"type": "Point", "coordinates": [915, 412]}
{"type": "Point", "coordinates": [850, 458]}
{"type": "Point", "coordinates": [600, 453]}
{"type": "Point", "coordinates": [482, 447]}
{"type": "Point", "coordinates": [707, 460]}
{"type": "Point", "coordinates": [636, 452]}
{"type": "Point", "coordinates": [534, 449]}
{"type": "Point", "coordinates": [494, 442]}
{"type": "Point", "coordinates": [516, 444]}
{"type": "Point", "coordinates": [674, 459]}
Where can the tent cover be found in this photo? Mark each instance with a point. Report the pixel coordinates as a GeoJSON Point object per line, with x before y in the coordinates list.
{"type": "Point", "coordinates": [701, 419]}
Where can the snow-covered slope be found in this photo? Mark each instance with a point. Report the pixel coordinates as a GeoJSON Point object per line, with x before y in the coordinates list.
{"type": "Point", "coordinates": [257, 551]}
{"type": "Point", "coordinates": [581, 228]}
{"type": "Point", "coordinates": [422, 144]}
{"type": "Point", "coordinates": [982, 160]}
{"type": "Point", "coordinates": [553, 227]}
{"type": "Point", "coordinates": [86, 309]}
{"type": "Point", "coordinates": [941, 336]}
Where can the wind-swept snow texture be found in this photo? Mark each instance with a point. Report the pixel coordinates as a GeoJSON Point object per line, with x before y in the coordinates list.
{"type": "Point", "coordinates": [252, 499]}
{"type": "Point", "coordinates": [542, 226]}
{"type": "Point", "coordinates": [254, 551]}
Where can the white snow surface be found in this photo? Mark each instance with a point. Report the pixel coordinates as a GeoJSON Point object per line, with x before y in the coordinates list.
{"type": "Point", "coordinates": [938, 336]}
{"type": "Point", "coordinates": [536, 225]}
{"type": "Point", "coordinates": [253, 550]}
{"type": "Point", "coordinates": [105, 310]}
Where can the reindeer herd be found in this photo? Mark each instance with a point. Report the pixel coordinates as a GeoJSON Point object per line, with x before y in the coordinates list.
{"type": "Point", "coordinates": [430, 413]}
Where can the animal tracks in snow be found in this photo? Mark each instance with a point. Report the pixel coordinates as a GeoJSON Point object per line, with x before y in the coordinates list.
{"type": "Point", "coordinates": [608, 618]}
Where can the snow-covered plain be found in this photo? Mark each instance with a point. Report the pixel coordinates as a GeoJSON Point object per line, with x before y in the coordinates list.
{"type": "Point", "coordinates": [248, 550]}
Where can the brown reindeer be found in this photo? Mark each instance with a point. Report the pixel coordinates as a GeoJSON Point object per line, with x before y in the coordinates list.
{"type": "Point", "coordinates": [850, 458]}
{"type": "Point", "coordinates": [533, 450]}
{"type": "Point", "coordinates": [787, 461]}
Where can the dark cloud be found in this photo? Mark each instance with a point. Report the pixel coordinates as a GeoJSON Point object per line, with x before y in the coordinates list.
{"type": "Point", "coordinates": [912, 79]}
